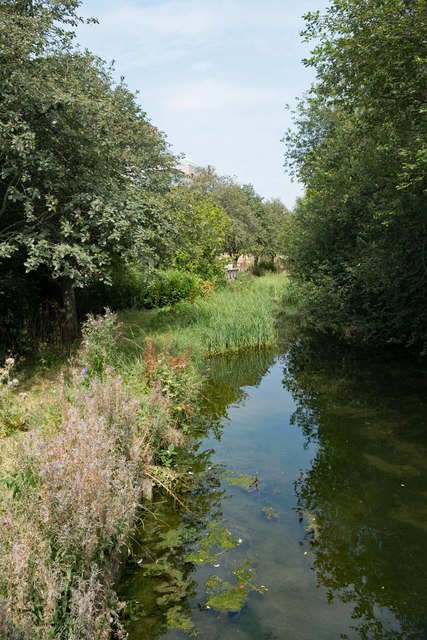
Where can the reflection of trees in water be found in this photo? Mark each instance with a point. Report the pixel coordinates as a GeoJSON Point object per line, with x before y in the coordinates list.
{"type": "Point", "coordinates": [367, 483]}
{"type": "Point", "coordinates": [227, 375]}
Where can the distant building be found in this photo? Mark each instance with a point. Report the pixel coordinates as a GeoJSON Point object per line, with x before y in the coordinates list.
{"type": "Point", "coordinates": [188, 170]}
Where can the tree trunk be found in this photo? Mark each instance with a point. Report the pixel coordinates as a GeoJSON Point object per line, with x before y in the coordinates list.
{"type": "Point", "coordinates": [71, 328]}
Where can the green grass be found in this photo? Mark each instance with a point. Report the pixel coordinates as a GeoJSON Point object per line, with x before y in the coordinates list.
{"type": "Point", "coordinates": [240, 316]}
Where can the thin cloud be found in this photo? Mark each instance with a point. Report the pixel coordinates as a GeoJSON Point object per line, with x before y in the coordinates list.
{"type": "Point", "coordinates": [213, 95]}
{"type": "Point", "coordinates": [157, 33]}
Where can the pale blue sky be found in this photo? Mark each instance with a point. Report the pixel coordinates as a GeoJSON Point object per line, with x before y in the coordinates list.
{"type": "Point", "coordinates": [214, 75]}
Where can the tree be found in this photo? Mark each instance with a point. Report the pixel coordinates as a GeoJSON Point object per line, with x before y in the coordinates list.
{"type": "Point", "coordinates": [359, 234]}
{"type": "Point", "coordinates": [200, 229]}
{"type": "Point", "coordinates": [254, 224]}
{"type": "Point", "coordinates": [78, 154]}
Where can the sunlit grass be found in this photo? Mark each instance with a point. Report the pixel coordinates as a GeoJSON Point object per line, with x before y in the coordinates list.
{"type": "Point", "coordinates": [239, 316]}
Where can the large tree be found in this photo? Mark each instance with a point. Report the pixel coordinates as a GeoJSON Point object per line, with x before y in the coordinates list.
{"type": "Point", "coordinates": [78, 156]}
{"type": "Point", "coordinates": [359, 234]}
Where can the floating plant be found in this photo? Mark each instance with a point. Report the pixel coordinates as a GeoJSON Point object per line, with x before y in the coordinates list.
{"type": "Point", "coordinates": [231, 598]}
{"type": "Point", "coordinates": [270, 513]}
{"type": "Point", "coordinates": [246, 482]}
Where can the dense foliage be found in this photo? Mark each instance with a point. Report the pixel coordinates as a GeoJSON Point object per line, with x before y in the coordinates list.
{"type": "Point", "coordinates": [90, 202]}
{"type": "Point", "coordinates": [256, 226]}
{"type": "Point", "coordinates": [200, 230]}
{"type": "Point", "coordinates": [358, 240]}
{"type": "Point", "coordinates": [79, 159]}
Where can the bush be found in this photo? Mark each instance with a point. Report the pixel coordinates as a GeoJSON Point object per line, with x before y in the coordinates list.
{"type": "Point", "coordinates": [129, 290]}
{"type": "Point", "coordinates": [68, 505]}
{"type": "Point", "coordinates": [171, 286]}
{"type": "Point", "coordinates": [263, 267]}
{"type": "Point", "coordinates": [98, 349]}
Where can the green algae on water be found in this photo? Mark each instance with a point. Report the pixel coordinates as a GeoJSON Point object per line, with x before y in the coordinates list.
{"type": "Point", "coordinates": [216, 541]}
{"type": "Point", "coordinates": [246, 482]}
{"type": "Point", "coordinates": [231, 598]}
{"type": "Point", "coordinates": [270, 513]}
{"type": "Point", "coordinates": [176, 618]}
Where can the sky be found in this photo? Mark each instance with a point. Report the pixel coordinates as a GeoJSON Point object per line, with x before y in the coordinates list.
{"type": "Point", "coordinates": [214, 75]}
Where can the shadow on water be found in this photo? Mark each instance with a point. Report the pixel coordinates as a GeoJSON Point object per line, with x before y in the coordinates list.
{"type": "Point", "coordinates": [367, 485]}
{"type": "Point", "coordinates": [307, 474]}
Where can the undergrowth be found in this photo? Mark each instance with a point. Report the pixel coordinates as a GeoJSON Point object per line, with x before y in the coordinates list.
{"type": "Point", "coordinates": [76, 464]}
{"type": "Point", "coordinates": [71, 494]}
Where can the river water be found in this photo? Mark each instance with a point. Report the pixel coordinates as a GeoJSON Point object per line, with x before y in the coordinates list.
{"type": "Point", "coordinates": [308, 493]}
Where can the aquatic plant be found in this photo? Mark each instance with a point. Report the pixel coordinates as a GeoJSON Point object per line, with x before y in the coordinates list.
{"type": "Point", "coordinates": [246, 482]}
{"type": "Point", "coordinates": [231, 597]}
{"type": "Point", "coordinates": [270, 513]}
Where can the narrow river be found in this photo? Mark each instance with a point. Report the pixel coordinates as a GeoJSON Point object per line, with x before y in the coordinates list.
{"type": "Point", "coordinates": [308, 491]}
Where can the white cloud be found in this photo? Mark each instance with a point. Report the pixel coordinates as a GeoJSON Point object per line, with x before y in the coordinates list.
{"type": "Point", "coordinates": [211, 94]}
{"type": "Point", "coordinates": [157, 32]}
{"type": "Point", "coordinates": [202, 67]}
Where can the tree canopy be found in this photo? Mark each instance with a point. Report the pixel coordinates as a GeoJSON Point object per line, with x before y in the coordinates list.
{"type": "Point", "coordinates": [79, 156]}
{"type": "Point", "coordinates": [255, 224]}
{"type": "Point", "coordinates": [358, 238]}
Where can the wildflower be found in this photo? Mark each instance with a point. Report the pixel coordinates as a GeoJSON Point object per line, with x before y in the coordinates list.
{"type": "Point", "coordinates": [83, 371]}
{"type": "Point", "coordinates": [10, 361]}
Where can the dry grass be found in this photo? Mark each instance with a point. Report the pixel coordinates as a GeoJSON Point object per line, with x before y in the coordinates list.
{"type": "Point", "coordinates": [69, 505]}
{"type": "Point", "coordinates": [71, 496]}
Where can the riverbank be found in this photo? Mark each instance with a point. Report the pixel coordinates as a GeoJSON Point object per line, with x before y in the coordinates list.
{"type": "Point", "coordinates": [240, 316]}
{"type": "Point", "coordinates": [74, 467]}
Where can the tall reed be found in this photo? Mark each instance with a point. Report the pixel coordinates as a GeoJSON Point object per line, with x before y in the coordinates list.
{"type": "Point", "coordinates": [237, 317]}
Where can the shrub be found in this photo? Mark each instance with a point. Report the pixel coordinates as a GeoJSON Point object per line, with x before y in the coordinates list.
{"type": "Point", "coordinates": [99, 348]}
{"type": "Point", "coordinates": [171, 286]}
{"type": "Point", "coordinates": [69, 506]}
{"type": "Point", "coordinates": [128, 290]}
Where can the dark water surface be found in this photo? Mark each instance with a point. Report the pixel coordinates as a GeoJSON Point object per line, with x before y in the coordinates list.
{"type": "Point", "coordinates": [333, 529]}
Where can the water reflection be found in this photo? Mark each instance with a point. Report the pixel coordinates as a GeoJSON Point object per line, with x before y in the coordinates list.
{"type": "Point", "coordinates": [228, 377]}
{"type": "Point", "coordinates": [337, 525]}
{"type": "Point", "coordinates": [367, 485]}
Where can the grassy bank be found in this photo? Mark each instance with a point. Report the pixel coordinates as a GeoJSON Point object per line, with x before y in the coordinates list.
{"type": "Point", "coordinates": [240, 316]}
{"type": "Point", "coordinates": [74, 468]}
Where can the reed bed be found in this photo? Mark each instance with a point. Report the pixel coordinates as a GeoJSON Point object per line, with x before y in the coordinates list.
{"type": "Point", "coordinates": [239, 316]}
